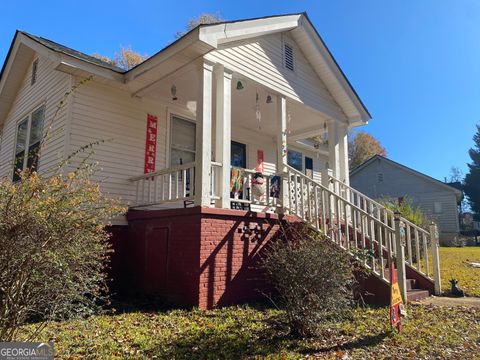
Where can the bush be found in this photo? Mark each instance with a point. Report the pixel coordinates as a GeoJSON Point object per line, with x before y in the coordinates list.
{"type": "Point", "coordinates": [312, 277]}
{"type": "Point", "coordinates": [53, 248]}
{"type": "Point", "coordinates": [407, 210]}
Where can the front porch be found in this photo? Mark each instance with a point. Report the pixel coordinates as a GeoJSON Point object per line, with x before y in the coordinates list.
{"type": "Point", "coordinates": [237, 149]}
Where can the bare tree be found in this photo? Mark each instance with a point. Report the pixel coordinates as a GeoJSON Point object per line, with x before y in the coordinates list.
{"type": "Point", "coordinates": [204, 18]}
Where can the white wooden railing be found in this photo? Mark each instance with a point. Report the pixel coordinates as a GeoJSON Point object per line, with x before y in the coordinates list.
{"type": "Point", "coordinates": [247, 195]}
{"type": "Point", "coordinates": [351, 227]}
{"type": "Point", "coordinates": [415, 239]}
{"type": "Point", "coordinates": [164, 186]}
{"type": "Point", "coordinates": [360, 225]}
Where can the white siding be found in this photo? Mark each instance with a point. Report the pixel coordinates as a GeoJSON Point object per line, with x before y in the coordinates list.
{"type": "Point", "coordinates": [102, 113]}
{"type": "Point", "coordinates": [261, 59]}
{"type": "Point", "coordinates": [48, 90]}
{"type": "Point", "coordinates": [398, 182]}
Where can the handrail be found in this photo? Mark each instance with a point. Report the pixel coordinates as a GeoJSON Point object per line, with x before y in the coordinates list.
{"type": "Point", "coordinates": [362, 211]}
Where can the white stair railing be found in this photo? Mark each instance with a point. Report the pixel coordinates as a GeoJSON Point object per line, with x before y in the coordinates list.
{"type": "Point", "coordinates": [419, 243]}
{"type": "Point", "coordinates": [350, 226]}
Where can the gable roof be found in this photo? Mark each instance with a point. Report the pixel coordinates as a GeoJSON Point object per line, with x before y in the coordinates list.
{"type": "Point", "coordinates": [446, 186]}
{"type": "Point", "coordinates": [196, 43]}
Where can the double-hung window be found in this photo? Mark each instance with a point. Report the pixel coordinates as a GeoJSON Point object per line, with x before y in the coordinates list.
{"type": "Point", "coordinates": [182, 147]}
{"type": "Point", "coordinates": [29, 137]}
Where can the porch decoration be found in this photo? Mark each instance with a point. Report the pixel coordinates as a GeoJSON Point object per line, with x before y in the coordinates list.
{"type": "Point", "coordinates": [275, 182]}
{"type": "Point", "coordinates": [240, 85]}
{"type": "Point", "coordinates": [258, 185]}
{"type": "Point", "coordinates": [258, 114]}
{"type": "Point", "coordinates": [150, 144]}
{"type": "Point", "coordinates": [236, 182]}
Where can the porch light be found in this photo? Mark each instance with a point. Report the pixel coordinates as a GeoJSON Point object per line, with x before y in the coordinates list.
{"type": "Point", "coordinates": [269, 99]}
{"type": "Point", "coordinates": [173, 91]}
{"type": "Point", "coordinates": [239, 85]}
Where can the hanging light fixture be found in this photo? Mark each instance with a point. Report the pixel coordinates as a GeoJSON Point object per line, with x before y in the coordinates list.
{"type": "Point", "coordinates": [240, 85]}
{"type": "Point", "coordinates": [269, 99]}
{"type": "Point", "coordinates": [173, 91]}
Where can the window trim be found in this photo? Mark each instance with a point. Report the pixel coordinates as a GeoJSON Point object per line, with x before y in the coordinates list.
{"type": "Point", "coordinates": [28, 118]}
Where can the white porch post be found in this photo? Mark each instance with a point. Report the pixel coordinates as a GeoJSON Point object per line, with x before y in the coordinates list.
{"type": "Point", "coordinates": [203, 143]}
{"type": "Point", "coordinates": [223, 79]}
{"type": "Point", "coordinates": [343, 153]}
{"type": "Point", "coordinates": [334, 148]}
{"type": "Point", "coordinates": [282, 145]}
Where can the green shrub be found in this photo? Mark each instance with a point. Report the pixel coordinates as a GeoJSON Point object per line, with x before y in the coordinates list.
{"type": "Point", "coordinates": [408, 211]}
{"type": "Point", "coordinates": [312, 278]}
{"type": "Point", "coordinates": [53, 248]}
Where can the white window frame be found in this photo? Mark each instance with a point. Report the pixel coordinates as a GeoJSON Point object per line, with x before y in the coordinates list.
{"type": "Point", "coordinates": [27, 118]}
{"type": "Point", "coordinates": [170, 127]}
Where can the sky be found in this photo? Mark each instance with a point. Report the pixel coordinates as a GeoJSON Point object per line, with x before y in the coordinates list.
{"type": "Point", "coordinates": [415, 64]}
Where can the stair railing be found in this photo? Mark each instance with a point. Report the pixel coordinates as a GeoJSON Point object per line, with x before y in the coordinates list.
{"type": "Point", "coordinates": [420, 245]}
{"type": "Point", "coordinates": [352, 227]}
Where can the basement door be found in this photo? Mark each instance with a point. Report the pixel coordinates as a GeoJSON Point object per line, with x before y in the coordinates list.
{"type": "Point", "coordinates": [156, 260]}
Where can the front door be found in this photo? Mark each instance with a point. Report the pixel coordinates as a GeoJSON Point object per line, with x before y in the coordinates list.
{"type": "Point", "coordinates": [238, 155]}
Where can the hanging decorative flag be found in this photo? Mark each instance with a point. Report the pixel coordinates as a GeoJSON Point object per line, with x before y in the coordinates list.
{"type": "Point", "coordinates": [150, 144]}
{"type": "Point", "coordinates": [396, 303]}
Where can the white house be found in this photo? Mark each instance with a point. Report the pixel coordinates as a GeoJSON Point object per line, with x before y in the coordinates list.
{"type": "Point", "coordinates": [380, 177]}
{"type": "Point", "coordinates": [188, 137]}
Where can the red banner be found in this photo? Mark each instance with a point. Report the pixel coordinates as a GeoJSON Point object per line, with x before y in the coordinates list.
{"type": "Point", "coordinates": [260, 162]}
{"type": "Point", "coordinates": [150, 144]}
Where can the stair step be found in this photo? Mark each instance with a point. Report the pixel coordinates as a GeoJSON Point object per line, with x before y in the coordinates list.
{"type": "Point", "coordinates": [417, 294]}
{"type": "Point", "coordinates": [411, 284]}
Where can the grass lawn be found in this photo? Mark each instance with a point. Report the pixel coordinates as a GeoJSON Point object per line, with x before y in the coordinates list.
{"type": "Point", "coordinates": [245, 332]}
{"type": "Point", "coordinates": [452, 265]}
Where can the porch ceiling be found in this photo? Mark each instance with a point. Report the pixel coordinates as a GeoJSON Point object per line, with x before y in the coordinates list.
{"type": "Point", "coordinates": [302, 122]}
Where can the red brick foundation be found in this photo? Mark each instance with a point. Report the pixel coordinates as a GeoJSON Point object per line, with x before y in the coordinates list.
{"type": "Point", "coordinates": [201, 256]}
{"type": "Point", "coordinates": [195, 257]}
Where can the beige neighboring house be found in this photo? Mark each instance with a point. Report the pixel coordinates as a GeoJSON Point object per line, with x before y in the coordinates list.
{"type": "Point", "coordinates": [380, 177]}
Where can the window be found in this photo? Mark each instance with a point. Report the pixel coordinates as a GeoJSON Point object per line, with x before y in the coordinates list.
{"type": "Point", "coordinates": [437, 207]}
{"type": "Point", "coordinates": [294, 159]}
{"type": "Point", "coordinates": [380, 177]}
{"type": "Point", "coordinates": [29, 137]}
{"type": "Point", "coordinates": [238, 155]}
{"type": "Point", "coordinates": [288, 56]}
{"type": "Point", "coordinates": [309, 167]}
{"type": "Point", "coordinates": [182, 144]}
{"type": "Point", "coordinates": [34, 72]}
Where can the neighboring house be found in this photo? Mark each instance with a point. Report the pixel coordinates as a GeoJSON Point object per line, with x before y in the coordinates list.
{"type": "Point", "coordinates": [380, 177]}
{"type": "Point", "coordinates": [186, 134]}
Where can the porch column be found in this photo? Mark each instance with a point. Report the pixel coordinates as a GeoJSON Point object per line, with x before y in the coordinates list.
{"type": "Point", "coordinates": [343, 153]}
{"type": "Point", "coordinates": [334, 147]}
{"type": "Point", "coordinates": [282, 145]}
{"type": "Point", "coordinates": [223, 79]}
{"type": "Point", "coordinates": [203, 140]}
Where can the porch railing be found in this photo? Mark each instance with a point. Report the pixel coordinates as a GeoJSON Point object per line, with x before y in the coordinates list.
{"type": "Point", "coordinates": [248, 193]}
{"type": "Point", "coordinates": [164, 186]}
{"type": "Point", "coordinates": [350, 226]}
{"type": "Point", "coordinates": [416, 240]}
